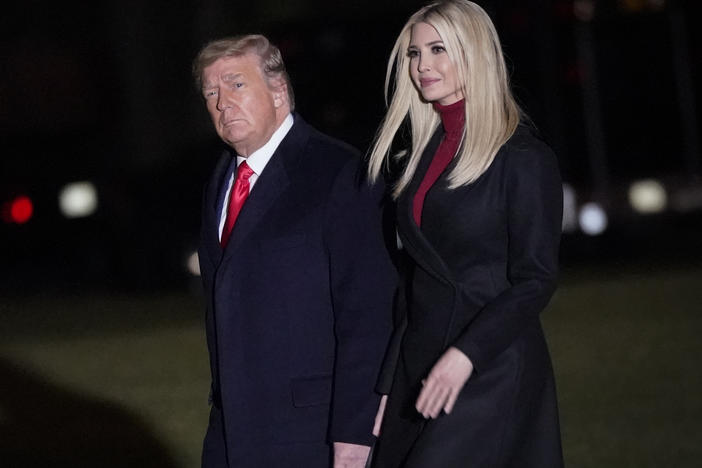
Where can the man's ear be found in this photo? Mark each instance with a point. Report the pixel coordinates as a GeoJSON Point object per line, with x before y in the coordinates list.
{"type": "Point", "coordinates": [280, 91]}
{"type": "Point", "coordinates": [280, 95]}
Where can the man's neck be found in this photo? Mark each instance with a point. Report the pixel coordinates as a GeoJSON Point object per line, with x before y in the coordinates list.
{"type": "Point", "coordinates": [246, 151]}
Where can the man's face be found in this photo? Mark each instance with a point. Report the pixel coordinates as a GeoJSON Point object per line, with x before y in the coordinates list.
{"type": "Point", "coordinates": [240, 102]}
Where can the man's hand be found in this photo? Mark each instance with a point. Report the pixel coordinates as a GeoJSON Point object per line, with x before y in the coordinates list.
{"type": "Point", "coordinates": [444, 383]}
{"type": "Point", "coordinates": [350, 455]}
{"type": "Point", "coordinates": [379, 415]}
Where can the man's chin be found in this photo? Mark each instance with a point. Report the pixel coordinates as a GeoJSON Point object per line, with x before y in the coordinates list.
{"type": "Point", "coordinates": [233, 139]}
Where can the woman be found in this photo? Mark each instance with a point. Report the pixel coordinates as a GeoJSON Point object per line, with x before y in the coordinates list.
{"type": "Point", "coordinates": [479, 203]}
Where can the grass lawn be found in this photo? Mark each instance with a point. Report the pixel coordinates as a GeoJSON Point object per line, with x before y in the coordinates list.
{"type": "Point", "coordinates": [132, 370]}
{"type": "Point", "coordinates": [626, 349]}
{"type": "Point", "coordinates": [97, 380]}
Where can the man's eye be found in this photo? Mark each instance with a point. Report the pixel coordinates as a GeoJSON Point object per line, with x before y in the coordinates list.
{"type": "Point", "coordinates": [238, 85]}
{"type": "Point", "coordinates": [210, 93]}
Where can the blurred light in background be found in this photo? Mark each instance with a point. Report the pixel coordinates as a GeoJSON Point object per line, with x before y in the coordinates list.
{"type": "Point", "coordinates": [78, 200]}
{"type": "Point", "coordinates": [593, 219]}
{"type": "Point", "coordinates": [570, 209]}
{"type": "Point", "coordinates": [193, 264]}
{"type": "Point", "coordinates": [19, 210]}
{"type": "Point", "coordinates": [648, 196]}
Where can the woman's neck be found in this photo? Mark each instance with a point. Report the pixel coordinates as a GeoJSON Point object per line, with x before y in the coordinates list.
{"type": "Point", "coordinates": [452, 115]}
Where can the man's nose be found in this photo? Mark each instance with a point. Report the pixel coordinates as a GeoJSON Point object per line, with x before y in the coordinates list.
{"type": "Point", "coordinates": [225, 101]}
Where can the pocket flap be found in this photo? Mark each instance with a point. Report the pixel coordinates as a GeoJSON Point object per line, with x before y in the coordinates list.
{"type": "Point", "coordinates": [311, 391]}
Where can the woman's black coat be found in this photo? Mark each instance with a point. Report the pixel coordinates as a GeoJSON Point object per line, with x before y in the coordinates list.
{"type": "Point", "coordinates": [478, 273]}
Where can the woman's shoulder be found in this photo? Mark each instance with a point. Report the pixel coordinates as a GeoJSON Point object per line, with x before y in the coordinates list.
{"type": "Point", "coordinates": [525, 146]}
{"type": "Point", "coordinates": [526, 139]}
{"type": "Point", "coordinates": [526, 153]}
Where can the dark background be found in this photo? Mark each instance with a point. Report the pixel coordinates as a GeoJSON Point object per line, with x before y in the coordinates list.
{"type": "Point", "coordinates": [102, 353]}
{"type": "Point", "coordinates": [102, 91]}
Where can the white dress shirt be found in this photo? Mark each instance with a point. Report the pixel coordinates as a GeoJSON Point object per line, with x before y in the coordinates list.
{"type": "Point", "coordinates": [257, 162]}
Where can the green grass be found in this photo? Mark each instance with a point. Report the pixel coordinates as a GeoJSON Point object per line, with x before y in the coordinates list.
{"type": "Point", "coordinates": [134, 368]}
{"type": "Point", "coordinates": [123, 380]}
{"type": "Point", "coordinates": [626, 349]}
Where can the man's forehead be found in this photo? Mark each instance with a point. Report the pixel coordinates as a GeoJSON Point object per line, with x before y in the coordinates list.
{"type": "Point", "coordinates": [236, 64]}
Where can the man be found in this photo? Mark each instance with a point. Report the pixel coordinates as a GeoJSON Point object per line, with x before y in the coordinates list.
{"type": "Point", "coordinates": [297, 278]}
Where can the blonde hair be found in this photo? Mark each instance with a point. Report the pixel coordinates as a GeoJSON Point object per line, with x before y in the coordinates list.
{"type": "Point", "coordinates": [271, 59]}
{"type": "Point", "coordinates": [491, 113]}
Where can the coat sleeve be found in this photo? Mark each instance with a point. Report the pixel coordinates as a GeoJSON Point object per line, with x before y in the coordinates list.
{"type": "Point", "coordinates": [362, 285]}
{"type": "Point", "coordinates": [399, 321]}
{"type": "Point", "coordinates": [534, 199]}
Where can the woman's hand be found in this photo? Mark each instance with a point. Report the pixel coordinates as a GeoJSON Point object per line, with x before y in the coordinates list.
{"type": "Point", "coordinates": [444, 383]}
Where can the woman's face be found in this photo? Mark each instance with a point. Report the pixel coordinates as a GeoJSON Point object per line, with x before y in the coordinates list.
{"type": "Point", "coordinates": [432, 71]}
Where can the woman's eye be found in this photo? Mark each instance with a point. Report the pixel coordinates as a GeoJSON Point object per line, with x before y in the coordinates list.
{"type": "Point", "coordinates": [412, 53]}
{"type": "Point", "coordinates": [438, 49]}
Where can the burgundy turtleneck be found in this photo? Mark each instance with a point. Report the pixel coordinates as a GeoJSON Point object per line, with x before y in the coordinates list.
{"type": "Point", "coordinates": [452, 118]}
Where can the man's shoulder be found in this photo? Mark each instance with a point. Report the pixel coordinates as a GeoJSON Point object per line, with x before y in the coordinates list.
{"type": "Point", "coordinates": [330, 146]}
{"type": "Point", "coordinates": [324, 158]}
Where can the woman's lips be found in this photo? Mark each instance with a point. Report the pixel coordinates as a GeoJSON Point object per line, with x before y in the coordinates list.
{"type": "Point", "coordinates": [424, 82]}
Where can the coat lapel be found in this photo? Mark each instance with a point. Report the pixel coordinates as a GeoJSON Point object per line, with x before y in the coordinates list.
{"type": "Point", "coordinates": [270, 185]}
{"type": "Point", "coordinates": [414, 241]}
{"type": "Point", "coordinates": [214, 194]}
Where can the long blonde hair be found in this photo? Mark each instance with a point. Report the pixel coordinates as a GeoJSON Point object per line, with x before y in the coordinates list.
{"type": "Point", "coordinates": [491, 113]}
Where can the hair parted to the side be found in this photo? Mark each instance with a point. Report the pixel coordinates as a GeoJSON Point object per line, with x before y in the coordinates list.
{"type": "Point", "coordinates": [491, 113]}
{"type": "Point", "coordinates": [272, 63]}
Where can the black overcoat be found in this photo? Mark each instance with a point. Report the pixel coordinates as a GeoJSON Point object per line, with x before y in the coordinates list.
{"type": "Point", "coordinates": [298, 307]}
{"type": "Point", "coordinates": [478, 273]}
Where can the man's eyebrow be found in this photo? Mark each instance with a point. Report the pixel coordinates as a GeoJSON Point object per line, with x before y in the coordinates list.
{"type": "Point", "coordinates": [231, 76]}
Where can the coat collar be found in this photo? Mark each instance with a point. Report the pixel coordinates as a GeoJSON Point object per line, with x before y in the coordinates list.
{"type": "Point", "coordinates": [412, 237]}
{"type": "Point", "coordinates": [272, 182]}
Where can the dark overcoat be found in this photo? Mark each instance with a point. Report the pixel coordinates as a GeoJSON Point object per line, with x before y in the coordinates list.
{"type": "Point", "coordinates": [298, 307]}
{"type": "Point", "coordinates": [478, 273]}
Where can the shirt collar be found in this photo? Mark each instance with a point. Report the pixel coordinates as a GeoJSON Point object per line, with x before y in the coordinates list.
{"type": "Point", "coordinates": [258, 159]}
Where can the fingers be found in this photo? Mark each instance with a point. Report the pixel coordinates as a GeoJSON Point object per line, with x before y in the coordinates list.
{"type": "Point", "coordinates": [432, 399]}
{"type": "Point", "coordinates": [450, 401]}
{"type": "Point", "coordinates": [443, 385]}
{"type": "Point", "coordinates": [438, 401]}
{"type": "Point", "coordinates": [423, 398]}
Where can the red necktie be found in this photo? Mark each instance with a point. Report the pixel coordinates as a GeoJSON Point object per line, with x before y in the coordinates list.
{"type": "Point", "coordinates": [240, 190]}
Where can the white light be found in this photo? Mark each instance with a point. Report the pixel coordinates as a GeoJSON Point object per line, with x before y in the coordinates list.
{"type": "Point", "coordinates": [647, 196]}
{"type": "Point", "coordinates": [193, 264]}
{"type": "Point", "coordinates": [570, 214]}
{"type": "Point", "coordinates": [593, 219]}
{"type": "Point", "coordinates": [78, 200]}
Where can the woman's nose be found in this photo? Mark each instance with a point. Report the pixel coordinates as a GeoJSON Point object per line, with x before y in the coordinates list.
{"type": "Point", "coordinates": [423, 63]}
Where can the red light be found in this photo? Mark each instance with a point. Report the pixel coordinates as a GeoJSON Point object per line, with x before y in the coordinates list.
{"type": "Point", "coordinates": [20, 210]}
